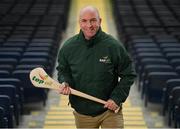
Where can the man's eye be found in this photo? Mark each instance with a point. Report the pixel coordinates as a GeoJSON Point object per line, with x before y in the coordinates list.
{"type": "Point", "coordinates": [93, 20]}
{"type": "Point", "coordinates": [83, 20]}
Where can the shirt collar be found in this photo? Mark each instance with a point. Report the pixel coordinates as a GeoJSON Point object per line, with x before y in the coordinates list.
{"type": "Point", "coordinates": [93, 40]}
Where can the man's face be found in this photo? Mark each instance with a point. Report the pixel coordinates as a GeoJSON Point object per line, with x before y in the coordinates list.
{"type": "Point", "coordinates": [89, 23]}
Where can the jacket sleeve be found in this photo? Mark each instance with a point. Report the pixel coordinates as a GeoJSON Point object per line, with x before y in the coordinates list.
{"type": "Point", "coordinates": [126, 72]}
{"type": "Point", "coordinates": [64, 71]}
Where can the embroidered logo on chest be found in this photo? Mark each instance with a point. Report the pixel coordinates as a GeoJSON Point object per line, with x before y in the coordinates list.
{"type": "Point", "coordinates": [105, 60]}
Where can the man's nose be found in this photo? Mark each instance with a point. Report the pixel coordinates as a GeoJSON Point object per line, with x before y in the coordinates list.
{"type": "Point", "coordinates": [89, 23]}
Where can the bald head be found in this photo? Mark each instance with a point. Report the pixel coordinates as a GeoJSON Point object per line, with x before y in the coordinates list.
{"type": "Point", "coordinates": [89, 21]}
{"type": "Point", "coordinates": [89, 9]}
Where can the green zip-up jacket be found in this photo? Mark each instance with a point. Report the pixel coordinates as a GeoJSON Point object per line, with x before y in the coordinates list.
{"type": "Point", "coordinates": [93, 67]}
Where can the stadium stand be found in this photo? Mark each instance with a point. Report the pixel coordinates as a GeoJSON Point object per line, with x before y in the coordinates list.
{"type": "Point", "coordinates": [150, 30]}
{"type": "Point", "coordinates": [30, 32]}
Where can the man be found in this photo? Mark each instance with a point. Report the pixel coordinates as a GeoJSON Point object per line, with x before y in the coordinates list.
{"type": "Point", "coordinates": [91, 62]}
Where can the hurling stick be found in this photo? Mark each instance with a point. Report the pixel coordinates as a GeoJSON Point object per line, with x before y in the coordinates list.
{"type": "Point", "coordinates": [40, 78]}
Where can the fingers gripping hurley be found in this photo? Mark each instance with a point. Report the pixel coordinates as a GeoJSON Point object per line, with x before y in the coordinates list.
{"type": "Point", "coordinates": [40, 78]}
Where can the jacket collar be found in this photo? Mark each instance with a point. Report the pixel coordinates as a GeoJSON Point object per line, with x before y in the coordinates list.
{"type": "Point", "coordinates": [93, 40]}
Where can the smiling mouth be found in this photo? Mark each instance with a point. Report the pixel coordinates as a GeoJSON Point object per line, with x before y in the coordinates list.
{"type": "Point", "coordinates": [90, 31]}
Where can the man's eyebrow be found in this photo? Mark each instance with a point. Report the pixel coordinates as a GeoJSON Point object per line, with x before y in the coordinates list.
{"type": "Point", "coordinates": [93, 18]}
{"type": "Point", "coordinates": [88, 19]}
{"type": "Point", "coordinates": [83, 20]}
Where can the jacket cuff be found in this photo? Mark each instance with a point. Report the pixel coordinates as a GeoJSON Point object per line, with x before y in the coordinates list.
{"type": "Point", "coordinates": [118, 101]}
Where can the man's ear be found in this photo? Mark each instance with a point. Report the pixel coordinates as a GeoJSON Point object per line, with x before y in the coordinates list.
{"type": "Point", "coordinates": [100, 20]}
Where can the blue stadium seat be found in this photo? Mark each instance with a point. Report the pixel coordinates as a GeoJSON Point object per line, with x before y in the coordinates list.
{"type": "Point", "coordinates": [149, 61]}
{"type": "Point", "coordinates": [172, 55]}
{"type": "Point", "coordinates": [19, 88]}
{"type": "Point", "coordinates": [10, 90]}
{"type": "Point", "coordinates": [15, 55]}
{"type": "Point", "coordinates": [155, 83]}
{"type": "Point", "coordinates": [176, 115]}
{"type": "Point", "coordinates": [178, 69]}
{"type": "Point", "coordinates": [15, 44]}
{"type": "Point", "coordinates": [6, 67]}
{"type": "Point", "coordinates": [5, 74]}
{"type": "Point", "coordinates": [3, 118]}
{"type": "Point", "coordinates": [28, 67]}
{"type": "Point", "coordinates": [153, 68]}
{"type": "Point", "coordinates": [31, 93]}
{"type": "Point", "coordinates": [170, 84]}
{"type": "Point", "coordinates": [173, 100]}
{"type": "Point", "coordinates": [5, 103]}
{"type": "Point", "coordinates": [175, 62]}
{"type": "Point", "coordinates": [9, 61]}
{"type": "Point", "coordinates": [11, 49]}
{"type": "Point", "coordinates": [37, 61]}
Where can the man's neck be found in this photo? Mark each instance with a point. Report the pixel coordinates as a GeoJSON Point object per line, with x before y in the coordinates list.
{"type": "Point", "coordinates": [88, 38]}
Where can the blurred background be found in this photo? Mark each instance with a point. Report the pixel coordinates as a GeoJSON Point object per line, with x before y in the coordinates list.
{"type": "Point", "coordinates": [32, 32]}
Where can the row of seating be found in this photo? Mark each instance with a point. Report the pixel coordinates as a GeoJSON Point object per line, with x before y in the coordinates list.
{"type": "Point", "coordinates": [19, 12]}
{"type": "Point", "coordinates": [150, 30]}
{"type": "Point", "coordinates": [32, 7]}
{"type": "Point", "coordinates": [30, 35]}
{"type": "Point", "coordinates": [138, 17]}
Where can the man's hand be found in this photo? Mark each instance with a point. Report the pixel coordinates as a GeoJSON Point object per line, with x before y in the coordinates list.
{"type": "Point", "coordinates": [65, 89]}
{"type": "Point", "coordinates": [111, 105]}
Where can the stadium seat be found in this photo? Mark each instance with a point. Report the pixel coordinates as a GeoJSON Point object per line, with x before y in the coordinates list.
{"type": "Point", "coordinates": [155, 83]}
{"type": "Point", "coordinates": [19, 88]}
{"type": "Point", "coordinates": [10, 90]}
{"type": "Point", "coordinates": [176, 115]}
{"type": "Point", "coordinates": [31, 93]}
{"type": "Point", "coordinates": [5, 103]}
{"type": "Point", "coordinates": [173, 100]}
{"type": "Point", "coordinates": [3, 118]}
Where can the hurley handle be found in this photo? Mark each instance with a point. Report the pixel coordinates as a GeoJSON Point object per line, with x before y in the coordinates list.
{"type": "Point", "coordinates": [41, 79]}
